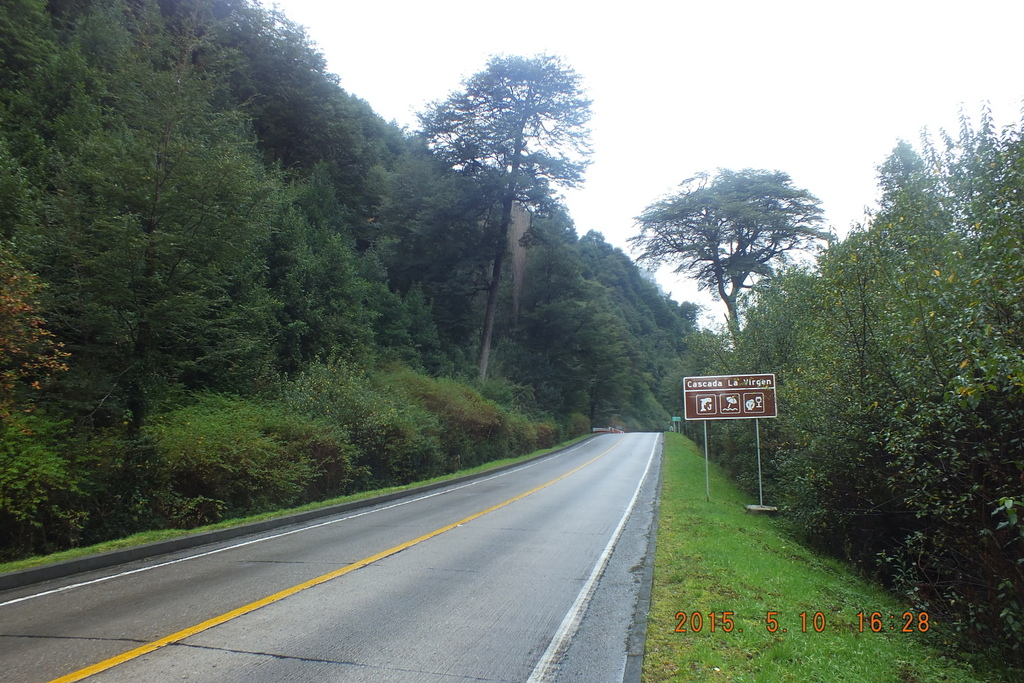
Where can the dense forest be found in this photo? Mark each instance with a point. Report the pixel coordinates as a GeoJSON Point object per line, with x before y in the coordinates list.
{"type": "Point", "coordinates": [227, 285]}
{"type": "Point", "coordinates": [899, 356]}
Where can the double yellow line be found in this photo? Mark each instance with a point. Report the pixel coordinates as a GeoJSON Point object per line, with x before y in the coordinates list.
{"type": "Point", "coordinates": [82, 674]}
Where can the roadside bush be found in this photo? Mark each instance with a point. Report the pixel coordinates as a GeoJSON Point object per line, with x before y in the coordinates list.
{"type": "Point", "coordinates": [29, 354]}
{"type": "Point", "coordinates": [121, 474]}
{"type": "Point", "coordinates": [395, 440]}
{"type": "Point", "coordinates": [472, 428]}
{"type": "Point", "coordinates": [336, 430]}
{"type": "Point", "coordinates": [457, 406]}
{"type": "Point", "coordinates": [519, 398]}
{"type": "Point", "coordinates": [547, 434]}
{"type": "Point", "coordinates": [36, 482]}
{"type": "Point", "coordinates": [518, 436]}
{"type": "Point", "coordinates": [229, 456]}
{"type": "Point", "coordinates": [578, 424]}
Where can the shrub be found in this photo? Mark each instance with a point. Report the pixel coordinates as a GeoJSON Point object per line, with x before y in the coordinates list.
{"type": "Point", "coordinates": [28, 351]}
{"type": "Point", "coordinates": [473, 429]}
{"type": "Point", "coordinates": [577, 425]}
{"type": "Point", "coordinates": [392, 437]}
{"type": "Point", "coordinates": [122, 475]}
{"type": "Point", "coordinates": [228, 455]}
{"type": "Point", "coordinates": [547, 434]}
{"type": "Point", "coordinates": [35, 482]}
{"type": "Point", "coordinates": [468, 425]}
{"type": "Point", "coordinates": [519, 435]}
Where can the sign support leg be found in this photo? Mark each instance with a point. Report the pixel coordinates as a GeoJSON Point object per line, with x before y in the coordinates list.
{"type": "Point", "coordinates": [707, 476]}
{"type": "Point", "coordinates": [760, 491]}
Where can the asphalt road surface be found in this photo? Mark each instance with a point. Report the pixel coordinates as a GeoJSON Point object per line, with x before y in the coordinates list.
{"type": "Point", "coordinates": [531, 574]}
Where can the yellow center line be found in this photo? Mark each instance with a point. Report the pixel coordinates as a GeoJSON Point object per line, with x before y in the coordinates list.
{"type": "Point", "coordinates": [270, 599]}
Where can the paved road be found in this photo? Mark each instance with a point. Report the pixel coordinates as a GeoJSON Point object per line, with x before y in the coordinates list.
{"type": "Point", "coordinates": [512, 577]}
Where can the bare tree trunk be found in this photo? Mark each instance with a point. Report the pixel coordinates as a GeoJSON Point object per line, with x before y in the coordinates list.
{"type": "Point", "coordinates": [732, 320]}
{"type": "Point", "coordinates": [499, 258]}
{"type": "Point", "coordinates": [492, 291]}
{"type": "Point", "coordinates": [521, 219]}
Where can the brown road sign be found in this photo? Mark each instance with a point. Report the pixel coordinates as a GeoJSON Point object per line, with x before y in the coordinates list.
{"type": "Point", "coordinates": [729, 397]}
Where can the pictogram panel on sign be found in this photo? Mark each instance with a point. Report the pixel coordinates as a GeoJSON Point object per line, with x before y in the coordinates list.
{"type": "Point", "coordinates": [729, 397]}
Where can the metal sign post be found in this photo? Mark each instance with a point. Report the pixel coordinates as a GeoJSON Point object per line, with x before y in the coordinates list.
{"type": "Point", "coordinates": [760, 489]}
{"type": "Point", "coordinates": [707, 474]}
{"type": "Point", "coordinates": [730, 397]}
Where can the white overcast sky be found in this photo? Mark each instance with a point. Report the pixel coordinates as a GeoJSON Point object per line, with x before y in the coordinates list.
{"type": "Point", "coordinates": [819, 89]}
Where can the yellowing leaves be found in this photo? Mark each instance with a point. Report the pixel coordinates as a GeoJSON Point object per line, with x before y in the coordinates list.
{"type": "Point", "coordinates": [28, 351]}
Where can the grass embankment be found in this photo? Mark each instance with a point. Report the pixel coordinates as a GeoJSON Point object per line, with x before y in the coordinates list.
{"type": "Point", "coordinates": [164, 534]}
{"type": "Point", "coordinates": [712, 557]}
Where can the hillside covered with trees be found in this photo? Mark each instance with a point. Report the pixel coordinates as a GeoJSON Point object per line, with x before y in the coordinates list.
{"type": "Point", "coordinates": [227, 285]}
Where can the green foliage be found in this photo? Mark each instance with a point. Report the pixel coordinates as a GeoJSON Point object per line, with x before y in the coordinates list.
{"type": "Point", "coordinates": [437, 240]}
{"type": "Point", "coordinates": [405, 329]}
{"type": "Point", "coordinates": [900, 363]}
{"type": "Point", "coordinates": [381, 428]}
{"type": "Point", "coordinates": [301, 117]}
{"type": "Point", "coordinates": [15, 205]}
{"type": "Point", "coordinates": [593, 335]}
{"type": "Point", "coordinates": [577, 425]}
{"type": "Point", "coordinates": [406, 425]}
{"type": "Point", "coordinates": [26, 39]}
{"type": "Point", "coordinates": [523, 119]}
{"type": "Point", "coordinates": [226, 456]}
{"type": "Point", "coordinates": [473, 429]}
{"type": "Point", "coordinates": [314, 277]}
{"type": "Point", "coordinates": [36, 482]}
{"type": "Point", "coordinates": [149, 235]}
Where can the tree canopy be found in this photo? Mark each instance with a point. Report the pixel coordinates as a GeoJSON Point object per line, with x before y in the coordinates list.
{"type": "Point", "coordinates": [523, 119]}
{"type": "Point", "coordinates": [727, 230]}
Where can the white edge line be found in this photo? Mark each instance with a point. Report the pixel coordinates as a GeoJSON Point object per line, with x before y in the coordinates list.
{"type": "Point", "coordinates": [282, 534]}
{"type": "Point", "coordinates": [547, 666]}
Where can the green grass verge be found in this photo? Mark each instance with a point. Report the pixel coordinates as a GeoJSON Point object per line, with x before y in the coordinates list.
{"type": "Point", "coordinates": [164, 534]}
{"type": "Point", "coordinates": [714, 557]}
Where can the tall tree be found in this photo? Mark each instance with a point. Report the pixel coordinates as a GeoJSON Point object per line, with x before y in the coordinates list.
{"type": "Point", "coordinates": [727, 229]}
{"type": "Point", "coordinates": [150, 239]}
{"type": "Point", "coordinates": [517, 127]}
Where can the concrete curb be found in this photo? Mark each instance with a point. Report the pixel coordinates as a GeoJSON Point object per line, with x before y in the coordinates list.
{"type": "Point", "coordinates": [57, 570]}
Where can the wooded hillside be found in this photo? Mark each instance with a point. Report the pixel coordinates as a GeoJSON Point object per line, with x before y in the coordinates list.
{"type": "Point", "coordinates": [228, 285]}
